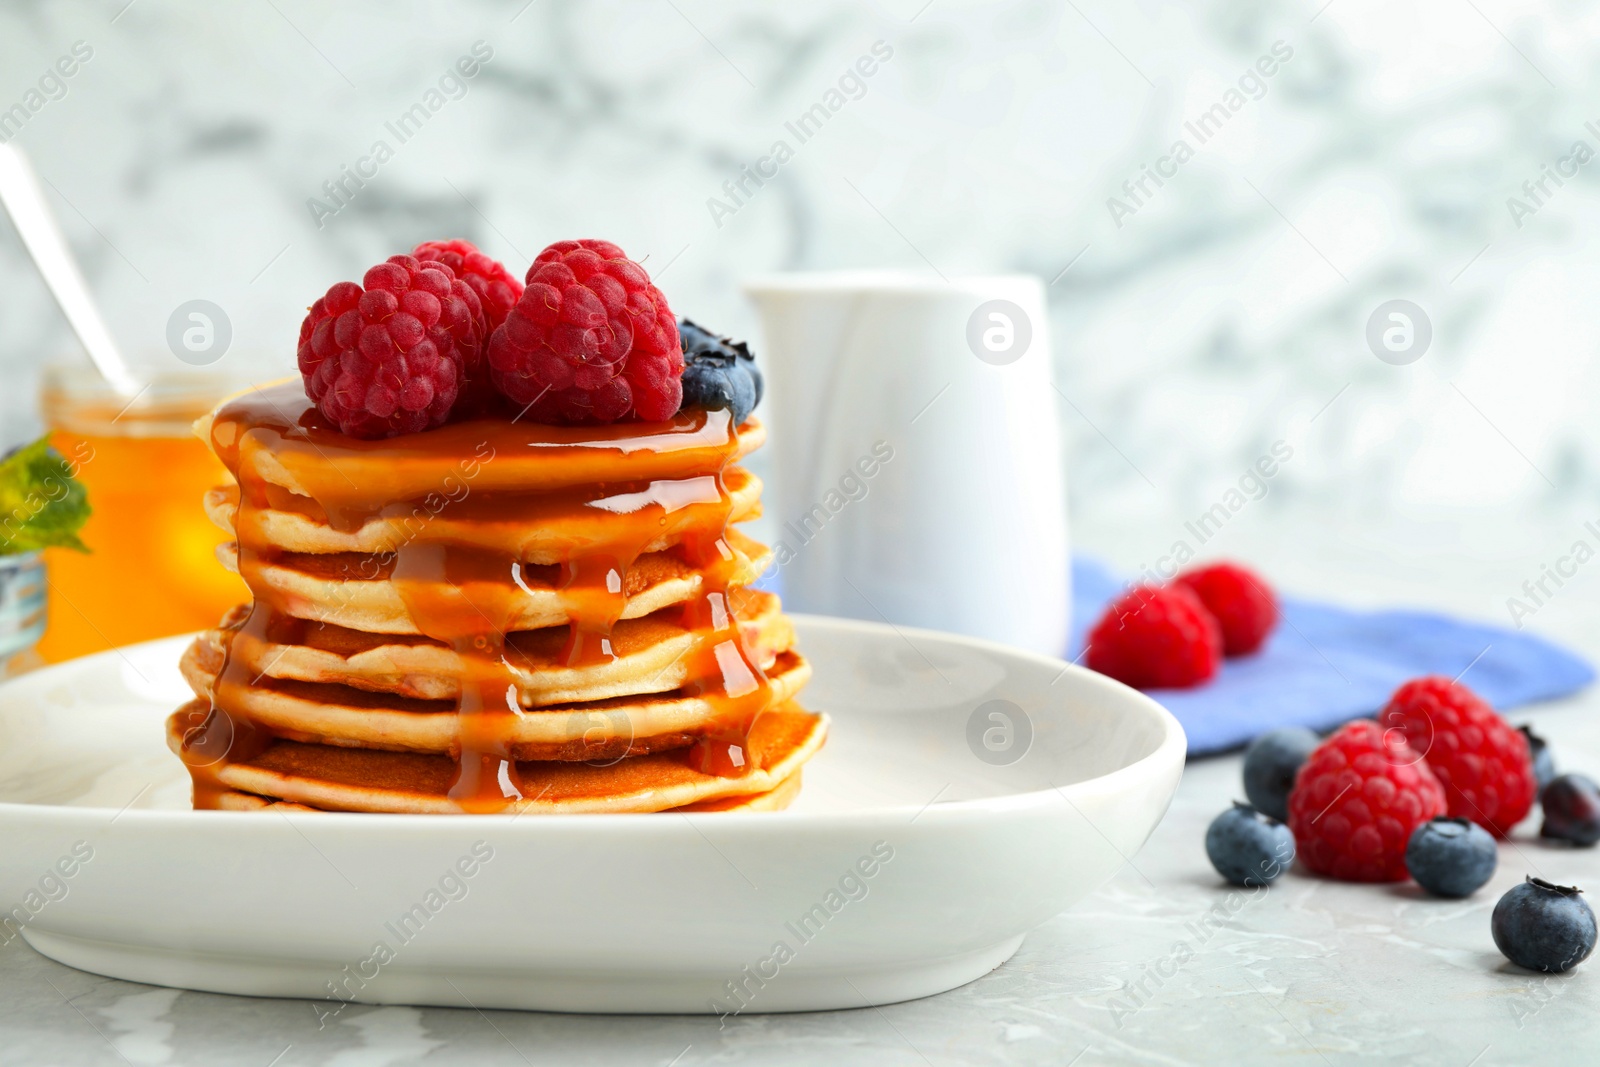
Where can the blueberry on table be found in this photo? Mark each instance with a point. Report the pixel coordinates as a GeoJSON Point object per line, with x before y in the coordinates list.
{"type": "Point", "coordinates": [1249, 848]}
{"type": "Point", "coordinates": [1571, 809]}
{"type": "Point", "coordinates": [1270, 764]}
{"type": "Point", "coordinates": [1544, 764]}
{"type": "Point", "coordinates": [1451, 857]}
{"type": "Point", "coordinates": [1543, 927]}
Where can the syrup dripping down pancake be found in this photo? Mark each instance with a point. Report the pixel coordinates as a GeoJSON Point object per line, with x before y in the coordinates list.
{"type": "Point", "coordinates": [592, 729]}
{"type": "Point", "coordinates": [357, 592]}
{"type": "Point", "coordinates": [651, 655]}
{"type": "Point", "coordinates": [353, 779]}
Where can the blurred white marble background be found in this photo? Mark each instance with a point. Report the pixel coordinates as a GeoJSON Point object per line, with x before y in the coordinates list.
{"type": "Point", "coordinates": [1225, 313]}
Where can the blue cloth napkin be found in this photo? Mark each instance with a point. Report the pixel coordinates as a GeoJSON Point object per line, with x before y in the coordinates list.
{"type": "Point", "coordinates": [1325, 665]}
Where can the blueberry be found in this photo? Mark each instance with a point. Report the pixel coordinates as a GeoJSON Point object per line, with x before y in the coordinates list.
{"type": "Point", "coordinates": [1270, 764]}
{"type": "Point", "coordinates": [1247, 847]}
{"type": "Point", "coordinates": [1571, 809]}
{"type": "Point", "coordinates": [1544, 764]}
{"type": "Point", "coordinates": [1543, 927]}
{"type": "Point", "coordinates": [1451, 857]}
{"type": "Point", "coordinates": [719, 372]}
{"type": "Point", "coordinates": [734, 388]}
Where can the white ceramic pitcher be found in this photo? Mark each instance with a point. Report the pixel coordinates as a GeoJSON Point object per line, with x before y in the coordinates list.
{"type": "Point", "coordinates": [916, 452]}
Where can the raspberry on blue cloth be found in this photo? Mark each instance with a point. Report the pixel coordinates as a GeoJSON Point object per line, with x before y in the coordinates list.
{"type": "Point", "coordinates": [1242, 601]}
{"type": "Point", "coordinates": [1156, 635]}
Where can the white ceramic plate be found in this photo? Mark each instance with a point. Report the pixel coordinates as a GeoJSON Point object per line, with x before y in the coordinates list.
{"type": "Point", "coordinates": [930, 836]}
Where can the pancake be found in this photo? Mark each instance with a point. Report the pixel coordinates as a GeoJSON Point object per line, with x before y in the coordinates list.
{"type": "Point", "coordinates": [773, 800]}
{"type": "Point", "coordinates": [235, 801]}
{"type": "Point", "coordinates": [353, 779]}
{"type": "Point", "coordinates": [651, 656]}
{"type": "Point", "coordinates": [357, 592]}
{"type": "Point", "coordinates": [541, 533]}
{"type": "Point", "coordinates": [594, 729]}
{"type": "Point", "coordinates": [310, 463]}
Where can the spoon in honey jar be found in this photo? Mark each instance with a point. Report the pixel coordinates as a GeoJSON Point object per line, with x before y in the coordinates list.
{"type": "Point", "coordinates": [36, 224]}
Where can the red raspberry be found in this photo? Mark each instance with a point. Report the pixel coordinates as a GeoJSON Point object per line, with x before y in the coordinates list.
{"type": "Point", "coordinates": [1156, 637]}
{"type": "Point", "coordinates": [1484, 763]}
{"type": "Point", "coordinates": [1242, 602]}
{"type": "Point", "coordinates": [591, 340]}
{"type": "Point", "coordinates": [390, 358]}
{"type": "Point", "coordinates": [497, 288]}
{"type": "Point", "coordinates": [1356, 800]}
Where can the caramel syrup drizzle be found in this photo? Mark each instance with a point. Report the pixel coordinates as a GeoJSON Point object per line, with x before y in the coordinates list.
{"type": "Point", "coordinates": [652, 480]}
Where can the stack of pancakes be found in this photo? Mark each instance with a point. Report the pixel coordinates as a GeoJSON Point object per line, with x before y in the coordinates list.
{"type": "Point", "coordinates": [492, 616]}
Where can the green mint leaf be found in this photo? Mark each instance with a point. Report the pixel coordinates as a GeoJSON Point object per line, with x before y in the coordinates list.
{"type": "Point", "coordinates": [41, 504]}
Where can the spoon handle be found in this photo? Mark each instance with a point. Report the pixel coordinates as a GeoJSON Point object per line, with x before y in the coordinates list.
{"type": "Point", "coordinates": [36, 225]}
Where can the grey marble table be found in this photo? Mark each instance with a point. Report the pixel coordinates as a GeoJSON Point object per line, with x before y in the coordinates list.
{"type": "Point", "coordinates": [1162, 966]}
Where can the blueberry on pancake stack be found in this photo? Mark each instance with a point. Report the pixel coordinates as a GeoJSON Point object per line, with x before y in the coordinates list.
{"type": "Point", "coordinates": [493, 558]}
